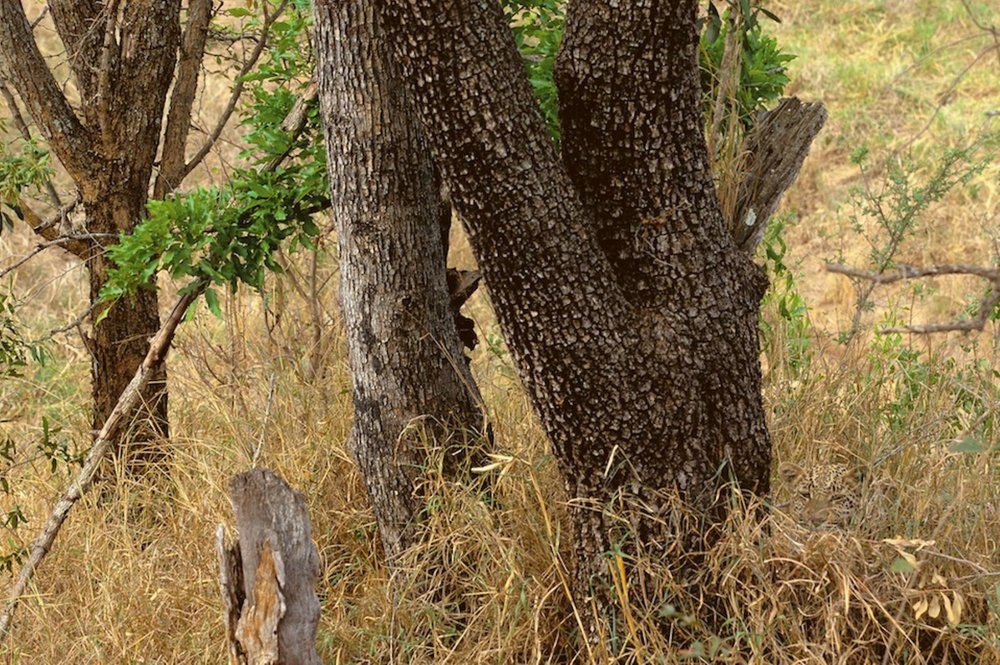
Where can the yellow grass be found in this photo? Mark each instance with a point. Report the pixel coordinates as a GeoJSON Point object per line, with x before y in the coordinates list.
{"type": "Point", "coordinates": [123, 587]}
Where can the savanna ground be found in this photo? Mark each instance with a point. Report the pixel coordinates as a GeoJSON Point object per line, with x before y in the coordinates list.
{"type": "Point", "coordinates": [914, 578]}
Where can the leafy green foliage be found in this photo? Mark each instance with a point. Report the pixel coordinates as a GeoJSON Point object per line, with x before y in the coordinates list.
{"type": "Point", "coordinates": [793, 315]}
{"type": "Point", "coordinates": [886, 213]}
{"type": "Point", "coordinates": [23, 165]}
{"type": "Point", "coordinates": [762, 64]}
{"type": "Point", "coordinates": [538, 29]}
{"type": "Point", "coordinates": [14, 349]}
{"type": "Point", "coordinates": [228, 234]}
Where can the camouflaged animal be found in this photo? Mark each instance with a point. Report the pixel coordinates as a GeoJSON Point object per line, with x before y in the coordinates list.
{"type": "Point", "coordinates": [823, 495]}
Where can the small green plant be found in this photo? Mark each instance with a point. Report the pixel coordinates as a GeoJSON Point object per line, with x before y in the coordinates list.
{"type": "Point", "coordinates": [886, 214]}
{"type": "Point", "coordinates": [761, 64]}
{"type": "Point", "coordinates": [793, 315]}
{"type": "Point", "coordinates": [24, 165]}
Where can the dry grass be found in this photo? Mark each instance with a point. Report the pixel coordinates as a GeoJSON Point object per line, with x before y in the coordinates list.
{"type": "Point", "coordinates": [124, 587]}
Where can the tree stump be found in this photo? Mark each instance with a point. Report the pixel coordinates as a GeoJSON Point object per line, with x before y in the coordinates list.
{"type": "Point", "coordinates": [268, 576]}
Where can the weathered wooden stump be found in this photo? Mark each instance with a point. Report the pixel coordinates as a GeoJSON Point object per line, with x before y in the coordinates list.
{"type": "Point", "coordinates": [268, 576]}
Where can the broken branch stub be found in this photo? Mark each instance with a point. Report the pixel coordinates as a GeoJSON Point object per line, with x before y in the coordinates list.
{"type": "Point", "coordinates": [268, 577]}
{"type": "Point", "coordinates": [776, 150]}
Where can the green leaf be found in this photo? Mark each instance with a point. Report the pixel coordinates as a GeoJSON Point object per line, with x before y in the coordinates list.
{"type": "Point", "coordinates": [901, 565]}
{"type": "Point", "coordinates": [212, 300]}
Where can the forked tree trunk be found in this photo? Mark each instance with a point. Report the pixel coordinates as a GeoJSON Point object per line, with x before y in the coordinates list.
{"type": "Point", "coordinates": [122, 57]}
{"type": "Point", "coordinates": [409, 375]}
{"type": "Point", "coordinates": [629, 310]}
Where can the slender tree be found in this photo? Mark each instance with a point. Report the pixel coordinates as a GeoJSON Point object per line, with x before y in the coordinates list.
{"type": "Point", "coordinates": [124, 57]}
{"type": "Point", "coordinates": [410, 377]}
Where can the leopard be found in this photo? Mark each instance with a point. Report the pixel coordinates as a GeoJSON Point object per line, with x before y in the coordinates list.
{"type": "Point", "coordinates": [823, 495]}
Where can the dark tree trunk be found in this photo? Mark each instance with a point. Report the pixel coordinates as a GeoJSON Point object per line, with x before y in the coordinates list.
{"type": "Point", "coordinates": [122, 56]}
{"type": "Point", "coordinates": [119, 342]}
{"type": "Point", "coordinates": [409, 374]}
{"type": "Point", "coordinates": [630, 312]}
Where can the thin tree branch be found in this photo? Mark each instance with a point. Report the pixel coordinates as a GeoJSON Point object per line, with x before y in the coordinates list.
{"type": "Point", "coordinates": [109, 53]}
{"type": "Point", "coordinates": [25, 67]}
{"type": "Point", "coordinates": [61, 241]}
{"type": "Point", "coordinates": [79, 24]}
{"type": "Point", "coordinates": [127, 402]}
{"type": "Point", "coordinates": [234, 97]}
{"type": "Point", "coordinates": [51, 231]}
{"type": "Point", "coordinates": [913, 272]}
{"type": "Point", "coordinates": [41, 17]}
{"type": "Point", "coordinates": [182, 98]}
{"type": "Point", "coordinates": [983, 313]}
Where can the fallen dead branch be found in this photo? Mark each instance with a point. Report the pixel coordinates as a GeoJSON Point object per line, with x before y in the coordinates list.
{"type": "Point", "coordinates": [127, 402]}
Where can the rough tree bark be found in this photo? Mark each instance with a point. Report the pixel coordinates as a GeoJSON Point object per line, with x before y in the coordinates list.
{"type": "Point", "coordinates": [409, 374]}
{"type": "Point", "coordinates": [629, 309]}
{"type": "Point", "coordinates": [123, 56]}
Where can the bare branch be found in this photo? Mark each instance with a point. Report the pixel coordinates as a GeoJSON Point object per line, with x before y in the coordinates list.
{"type": "Point", "coordinates": [41, 17]}
{"type": "Point", "coordinates": [25, 67]}
{"type": "Point", "coordinates": [61, 241]}
{"type": "Point", "coordinates": [984, 310]}
{"type": "Point", "coordinates": [78, 23]}
{"type": "Point", "coordinates": [182, 98]}
{"type": "Point", "coordinates": [913, 272]}
{"type": "Point", "coordinates": [109, 53]}
{"type": "Point", "coordinates": [234, 97]}
{"type": "Point", "coordinates": [50, 229]}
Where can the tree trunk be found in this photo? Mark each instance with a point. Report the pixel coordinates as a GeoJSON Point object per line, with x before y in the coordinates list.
{"type": "Point", "coordinates": [630, 312]}
{"type": "Point", "coordinates": [268, 576]}
{"type": "Point", "coordinates": [409, 374]}
{"type": "Point", "coordinates": [119, 342]}
{"type": "Point", "coordinates": [122, 57]}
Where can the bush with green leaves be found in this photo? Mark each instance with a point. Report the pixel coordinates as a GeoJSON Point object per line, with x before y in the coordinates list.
{"type": "Point", "coordinates": [227, 235]}
{"type": "Point", "coordinates": [885, 214]}
{"type": "Point", "coordinates": [762, 64]}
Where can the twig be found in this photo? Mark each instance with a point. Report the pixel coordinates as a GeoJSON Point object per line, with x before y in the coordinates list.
{"type": "Point", "coordinates": [912, 272]}
{"type": "Point", "coordinates": [267, 418]}
{"type": "Point", "coordinates": [41, 16]}
{"type": "Point", "coordinates": [39, 248]}
{"type": "Point", "coordinates": [234, 98]}
{"type": "Point", "coordinates": [127, 402]}
{"type": "Point", "coordinates": [986, 306]}
{"type": "Point", "coordinates": [75, 323]}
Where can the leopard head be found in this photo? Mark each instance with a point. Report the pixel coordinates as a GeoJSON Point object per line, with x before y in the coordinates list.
{"type": "Point", "coordinates": [823, 495]}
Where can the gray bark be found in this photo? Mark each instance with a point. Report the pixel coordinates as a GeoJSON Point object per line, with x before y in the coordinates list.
{"type": "Point", "coordinates": [631, 313]}
{"type": "Point", "coordinates": [268, 578]}
{"type": "Point", "coordinates": [775, 150]}
{"type": "Point", "coordinates": [410, 377]}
